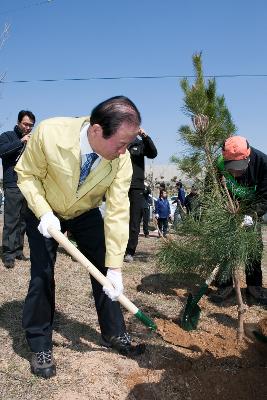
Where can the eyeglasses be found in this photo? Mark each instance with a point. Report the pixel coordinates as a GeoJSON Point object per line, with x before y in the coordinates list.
{"type": "Point", "coordinates": [27, 124]}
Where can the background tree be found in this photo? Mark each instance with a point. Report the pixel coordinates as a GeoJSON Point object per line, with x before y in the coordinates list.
{"type": "Point", "coordinates": [3, 38]}
{"type": "Point", "coordinates": [216, 237]}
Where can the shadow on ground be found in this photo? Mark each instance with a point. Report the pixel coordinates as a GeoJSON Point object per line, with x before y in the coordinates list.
{"type": "Point", "coordinates": [224, 319]}
{"type": "Point", "coordinates": [201, 378]}
{"type": "Point", "coordinates": [72, 330]}
{"type": "Point", "coordinates": [168, 284]}
{"type": "Point", "coordinates": [141, 256]}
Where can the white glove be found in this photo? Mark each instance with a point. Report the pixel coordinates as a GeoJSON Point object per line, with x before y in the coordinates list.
{"type": "Point", "coordinates": [115, 277]}
{"type": "Point", "coordinates": [247, 221]}
{"type": "Point", "coordinates": [46, 220]}
{"type": "Point", "coordinates": [156, 216]}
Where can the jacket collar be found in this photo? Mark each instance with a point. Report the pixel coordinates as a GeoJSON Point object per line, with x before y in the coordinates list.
{"type": "Point", "coordinates": [71, 141]}
{"type": "Point", "coordinates": [18, 131]}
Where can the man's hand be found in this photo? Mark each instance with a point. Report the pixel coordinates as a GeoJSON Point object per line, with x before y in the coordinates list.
{"type": "Point", "coordinates": [247, 221]}
{"type": "Point", "coordinates": [156, 216]}
{"type": "Point", "coordinates": [46, 220]}
{"type": "Point", "coordinates": [142, 133]}
{"type": "Point", "coordinates": [115, 277]}
{"type": "Point", "coordinates": [25, 138]}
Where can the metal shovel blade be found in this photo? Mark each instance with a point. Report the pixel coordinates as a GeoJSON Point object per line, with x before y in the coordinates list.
{"type": "Point", "coordinates": [192, 310]}
{"type": "Point", "coordinates": [191, 314]}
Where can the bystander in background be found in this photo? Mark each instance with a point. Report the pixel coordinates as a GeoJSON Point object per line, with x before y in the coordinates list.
{"type": "Point", "coordinates": [139, 149]}
{"type": "Point", "coordinates": [162, 212]}
{"type": "Point", "coordinates": [12, 145]}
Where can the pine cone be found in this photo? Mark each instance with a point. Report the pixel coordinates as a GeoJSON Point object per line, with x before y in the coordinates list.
{"type": "Point", "coordinates": [200, 122]}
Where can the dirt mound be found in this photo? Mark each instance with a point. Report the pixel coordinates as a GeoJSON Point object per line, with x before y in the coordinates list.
{"type": "Point", "coordinates": [199, 341]}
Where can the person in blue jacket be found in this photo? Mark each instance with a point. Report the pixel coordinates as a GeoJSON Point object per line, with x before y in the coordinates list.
{"type": "Point", "coordinates": [181, 193]}
{"type": "Point", "coordinates": [163, 212]}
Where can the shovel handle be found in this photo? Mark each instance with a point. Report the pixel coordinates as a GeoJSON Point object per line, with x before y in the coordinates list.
{"type": "Point", "coordinates": [75, 253]}
{"type": "Point", "coordinates": [123, 300]}
{"type": "Point", "coordinates": [203, 289]}
{"type": "Point", "coordinates": [212, 275]}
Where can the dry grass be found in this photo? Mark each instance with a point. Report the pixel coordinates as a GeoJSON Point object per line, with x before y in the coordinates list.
{"type": "Point", "coordinates": [85, 370]}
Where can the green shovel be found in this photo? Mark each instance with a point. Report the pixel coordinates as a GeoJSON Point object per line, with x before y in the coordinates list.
{"type": "Point", "coordinates": [192, 310]}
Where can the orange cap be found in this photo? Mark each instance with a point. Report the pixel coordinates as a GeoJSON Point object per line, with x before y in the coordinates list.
{"type": "Point", "coordinates": [236, 153]}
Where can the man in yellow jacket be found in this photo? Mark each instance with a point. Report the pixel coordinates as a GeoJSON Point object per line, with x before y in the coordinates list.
{"type": "Point", "coordinates": [67, 168]}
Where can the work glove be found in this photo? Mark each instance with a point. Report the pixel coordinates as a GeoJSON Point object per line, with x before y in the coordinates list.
{"type": "Point", "coordinates": [247, 221]}
{"type": "Point", "coordinates": [115, 277]}
{"type": "Point", "coordinates": [48, 219]}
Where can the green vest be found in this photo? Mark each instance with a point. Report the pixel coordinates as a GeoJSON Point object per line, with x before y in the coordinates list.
{"type": "Point", "coordinates": [237, 190]}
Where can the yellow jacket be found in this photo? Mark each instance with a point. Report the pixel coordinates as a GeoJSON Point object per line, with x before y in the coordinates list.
{"type": "Point", "coordinates": [48, 176]}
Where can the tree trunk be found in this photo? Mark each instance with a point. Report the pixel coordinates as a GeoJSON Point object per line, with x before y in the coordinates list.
{"type": "Point", "coordinates": [241, 307]}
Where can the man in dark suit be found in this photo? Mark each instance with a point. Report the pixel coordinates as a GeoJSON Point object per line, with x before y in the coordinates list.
{"type": "Point", "coordinates": [12, 145]}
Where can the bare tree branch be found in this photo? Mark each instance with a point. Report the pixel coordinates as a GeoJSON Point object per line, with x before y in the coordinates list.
{"type": "Point", "coordinates": [4, 34]}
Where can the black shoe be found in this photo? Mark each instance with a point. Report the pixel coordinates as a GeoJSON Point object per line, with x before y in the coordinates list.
{"type": "Point", "coordinates": [43, 365]}
{"type": "Point", "coordinates": [222, 294]}
{"type": "Point", "coordinates": [123, 345]}
{"type": "Point", "coordinates": [128, 258]}
{"type": "Point", "coordinates": [147, 235]}
{"type": "Point", "coordinates": [22, 258]}
{"type": "Point", "coordinates": [9, 264]}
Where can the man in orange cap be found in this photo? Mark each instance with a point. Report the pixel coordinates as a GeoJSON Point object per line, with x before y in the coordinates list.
{"type": "Point", "coordinates": [245, 170]}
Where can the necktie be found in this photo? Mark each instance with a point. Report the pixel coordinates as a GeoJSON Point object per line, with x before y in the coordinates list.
{"type": "Point", "coordinates": [85, 170]}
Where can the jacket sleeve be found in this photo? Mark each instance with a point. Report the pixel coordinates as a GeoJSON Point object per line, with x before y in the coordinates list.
{"type": "Point", "coordinates": [149, 148]}
{"type": "Point", "coordinates": [181, 196]}
{"type": "Point", "coordinates": [9, 145]}
{"type": "Point", "coordinates": [116, 221]}
{"type": "Point", "coordinates": [31, 169]}
{"type": "Point", "coordinates": [186, 202]}
{"type": "Point", "coordinates": [260, 204]}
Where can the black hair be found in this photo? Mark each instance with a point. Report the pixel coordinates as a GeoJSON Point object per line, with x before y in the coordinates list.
{"type": "Point", "coordinates": [111, 113]}
{"type": "Point", "coordinates": [29, 114]}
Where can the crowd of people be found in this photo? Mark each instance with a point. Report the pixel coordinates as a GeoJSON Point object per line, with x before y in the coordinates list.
{"type": "Point", "coordinates": [58, 177]}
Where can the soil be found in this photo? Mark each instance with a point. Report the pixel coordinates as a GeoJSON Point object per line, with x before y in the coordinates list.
{"type": "Point", "coordinates": [204, 364]}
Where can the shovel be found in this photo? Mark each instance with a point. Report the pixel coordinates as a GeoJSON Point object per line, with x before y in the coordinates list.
{"type": "Point", "coordinates": [192, 310]}
{"type": "Point", "coordinates": [75, 253]}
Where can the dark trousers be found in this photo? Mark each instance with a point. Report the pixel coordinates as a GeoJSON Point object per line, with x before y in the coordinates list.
{"type": "Point", "coordinates": [163, 225]}
{"type": "Point", "coordinates": [136, 198]}
{"type": "Point", "coordinates": [253, 270]}
{"type": "Point", "coordinates": [14, 224]}
{"type": "Point", "coordinates": [145, 214]}
{"type": "Point", "coordinates": [38, 312]}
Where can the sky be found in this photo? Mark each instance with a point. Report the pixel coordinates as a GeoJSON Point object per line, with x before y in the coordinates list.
{"type": "Point", "coordinates": [62, 39]}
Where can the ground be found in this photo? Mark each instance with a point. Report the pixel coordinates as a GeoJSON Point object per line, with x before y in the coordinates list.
{"type": "Point", "coordinates": [204, 364]}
